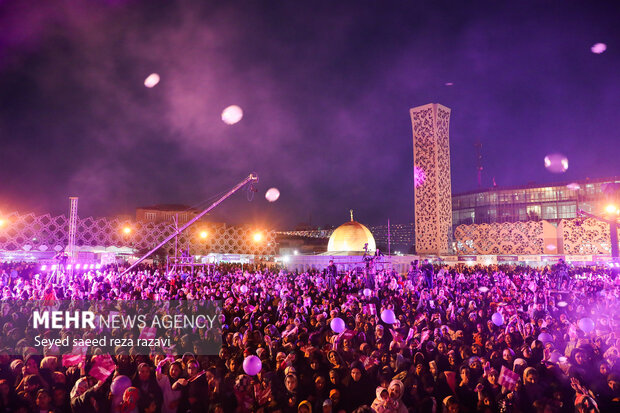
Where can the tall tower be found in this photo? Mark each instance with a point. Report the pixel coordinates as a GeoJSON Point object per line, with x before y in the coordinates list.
{"type": "Point", "coordinates": [432, 184]}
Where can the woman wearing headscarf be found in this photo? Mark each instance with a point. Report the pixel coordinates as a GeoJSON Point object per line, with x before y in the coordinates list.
{"type": "Point", "coordinates": [357, 390]}
{"type": "Point", "coordinates": [171, 398]}
{"type": "Point", "coordinates": [396, 389]}
{"type": "Point", "coordinates": [145, 381]}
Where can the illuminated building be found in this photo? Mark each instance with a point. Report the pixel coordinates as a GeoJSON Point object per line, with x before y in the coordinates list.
{"type": "Point", "coordinates": [551, 203]}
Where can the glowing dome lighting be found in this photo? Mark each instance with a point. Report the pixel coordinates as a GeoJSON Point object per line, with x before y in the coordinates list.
{"type": "Point", "coordinates": [204, 234]}
{"type": "Point", "coordinates": [556, 163]}
{"type": "Point", "coordinates": [272, 194]}
{"type": "Point", "coordinates": [351, 237]}
{"type": "Point", "coordinates": [562, 304]}
{"type": "Point", "coordinates": [611, 209]}
{"type": "Point", "coordinates": [2, 222]}
{"type": "Point", "coordinates": [573, 186]}
{"type": "Point", "coordinates": [257, 237]}
{"type": "Point", "coordinates": [232, 115]}
{"type": "Point", "coordinates": [598, 48]}
{"type": "Point", "coordinates": [152, 80]}
{"type": "Point", "coordinates": [126, 230]}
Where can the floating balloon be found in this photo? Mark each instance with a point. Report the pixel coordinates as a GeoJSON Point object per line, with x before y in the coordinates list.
{"type": "Point", "coordinates": [556, 163]}
{"type": "Point", "coordinates": [232, 115]}
{"type": "Point", "coordinates": [554, 357]}
{"type": "Point", "coordinates": [272, 194]}
{"type": "Point", "coordinates": [598, 48]}
{"type": "Point", "coordinates": [337, 325]}
{"type": "Point", "coordinates": [152, 80]}
{"type": "Point", "coordinates": [252, 365]}
{"type": "Point", "coordinates": [367, 292]}
{"type": "Point", "coordinates": [244, 289]}
{"type": "Point", "coordinates": [483, 289]}
{"type": "Point", "coordinates": [545, 338]}
{"type": "Point", "coordinates": [497, 319]}
{"type": "Point", "coordinates": [586, 324]}
{"type": "Point", "coordinates": [388, 316]}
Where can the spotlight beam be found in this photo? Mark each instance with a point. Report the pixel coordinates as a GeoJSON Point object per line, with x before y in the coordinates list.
{"type": "Point", "coordinates": [253, 177]}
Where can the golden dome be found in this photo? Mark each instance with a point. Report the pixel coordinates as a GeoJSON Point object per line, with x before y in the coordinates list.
{"type": "Point", "coordinates": [351, 237]}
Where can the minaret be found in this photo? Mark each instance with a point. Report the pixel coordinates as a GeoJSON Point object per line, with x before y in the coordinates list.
{"type": "Point", "coordinates": [433, 197]}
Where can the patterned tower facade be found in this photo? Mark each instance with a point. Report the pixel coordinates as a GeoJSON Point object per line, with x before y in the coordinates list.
{"type": "Point", "coordinates": [432, 183]}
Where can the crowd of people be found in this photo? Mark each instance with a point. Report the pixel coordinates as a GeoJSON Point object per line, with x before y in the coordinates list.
{"type": "Point", "coordinates": [437, 339]}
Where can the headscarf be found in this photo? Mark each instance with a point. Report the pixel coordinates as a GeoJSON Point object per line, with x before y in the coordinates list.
{"type": "Point", "coordinates": [399, 384]}
{"type": "Point", "coordinates": [305, 403]}
{"type": "Point", "coordinates": [79, 388]}
{"type": "Point", "coordinates": [130, 400]}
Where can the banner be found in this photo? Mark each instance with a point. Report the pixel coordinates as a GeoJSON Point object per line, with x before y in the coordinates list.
{"type": "Point", "coordinates": [507, 258]}
{"type": "Point", "coordinates": [82, 328]}
{"type": "Point", "coordinates": [580, 258]}
{"type": "Point", "coordinates": [529, 258]}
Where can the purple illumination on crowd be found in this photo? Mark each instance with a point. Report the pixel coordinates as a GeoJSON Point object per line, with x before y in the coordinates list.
{"type": "Point", "coordinates": [475, 326]}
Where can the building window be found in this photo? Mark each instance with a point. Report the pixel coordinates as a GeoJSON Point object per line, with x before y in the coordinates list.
{"type": "Point", "coordinates": [550, 212]}
{"type": "Point", "coordinates": [533, 212]}
{"type": "Point", "coordinates": [150, 216]}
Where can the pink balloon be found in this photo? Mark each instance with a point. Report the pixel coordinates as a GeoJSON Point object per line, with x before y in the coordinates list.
{"type": "Point", "coordinates": [337, 325]}
{"type": "Point", "coordinates": [252, 365]}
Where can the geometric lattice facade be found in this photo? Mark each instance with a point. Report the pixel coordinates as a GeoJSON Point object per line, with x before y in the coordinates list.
{"type": "Point", "coordinates": [523, 238]}
{"type": "Point", "coordinates": [584, 236]}
{"type": "Point", "coordinates": [45, 233]}
{"type": "Point", "coordinates": [432, 184]}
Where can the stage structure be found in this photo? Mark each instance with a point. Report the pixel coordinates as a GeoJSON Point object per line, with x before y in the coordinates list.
{"type": "Point", "coordinates": [251, 179]}
{"type": "Point", "coordinates": [432, 183]}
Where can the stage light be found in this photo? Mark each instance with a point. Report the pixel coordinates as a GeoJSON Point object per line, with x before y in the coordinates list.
{"type": "Point", "coordinates": [296, 252]}
{"type": "Point", "coordinates": [43, 267]}
{"type": "Point", "coordinates": [257, 237]}
{"type": "Point", "coordinates": [611, 209]}
{"type": "Point", "coordinates": [69, 266]}
{"type": "Point", "coordinates": [97, 266]}
{"type": "Point", "coordinates": [54, 266]}
{"type": "Point", "coordinates": [77, 266]}
{"type": "Point", "coordinates": [127, 230]}
{"type": "Point", "coordinates": [204, 234]}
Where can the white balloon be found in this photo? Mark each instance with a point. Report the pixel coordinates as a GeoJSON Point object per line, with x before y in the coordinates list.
{"type": "Point", "coordinates": [152, 80]}
{"type": "Point", "coordinates": [556, 163]}
{"type": "Point", "coordinates": [598, 48]}
{"type": "Point", "coordinates": [232, 115]}
{"type": "Point", "coordinates": [272, 194]}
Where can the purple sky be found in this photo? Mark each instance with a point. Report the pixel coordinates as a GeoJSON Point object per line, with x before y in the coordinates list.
{"type": "Point", "coordinates": [326, 88]}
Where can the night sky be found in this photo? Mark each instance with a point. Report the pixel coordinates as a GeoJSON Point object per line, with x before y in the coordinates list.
{"type": "Point", "coordinates": [325, 86]}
